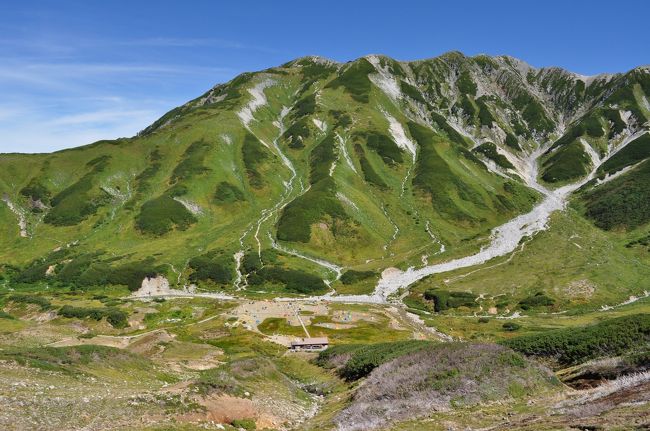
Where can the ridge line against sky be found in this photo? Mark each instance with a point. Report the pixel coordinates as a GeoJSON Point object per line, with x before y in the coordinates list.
{"type": "Point", "coordinates": [74, 72]}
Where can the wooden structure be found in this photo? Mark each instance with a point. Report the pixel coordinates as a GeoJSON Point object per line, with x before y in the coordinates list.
{"type": "Point", "coordinates": [309, 344]}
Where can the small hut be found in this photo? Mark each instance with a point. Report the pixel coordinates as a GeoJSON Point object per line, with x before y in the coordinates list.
{"type": "Point", "coordinates": [309, 344]}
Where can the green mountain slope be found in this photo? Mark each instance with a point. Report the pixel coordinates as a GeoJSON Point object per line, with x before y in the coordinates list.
{"type": "Point", "coordinates": [294, 174]}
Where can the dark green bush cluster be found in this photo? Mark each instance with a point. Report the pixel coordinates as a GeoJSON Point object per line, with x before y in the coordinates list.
{"type": "Point", "coordinates": [465, 84]}
{"type": "Point", "coordinates": [444, 299]}
{"type": "Point", "coordinates": [537, 300]}
{"type": "Point", "coordinates": [533, 112]}
{"type": "Point", "coordinates": [44, 303]}
{"type": "Point", "coordinates": [369, 173]}
{"type": "Point", "coordinates": [363, 358]}
{"type": "Point", "coordinates": [228, 193]}
{"type": "Point", "coordinates": [117, 318]}
{"type": "Point", "coordinates": [87, 270]}
{"type": "Point", "coordinates": [191, 163]}
{"type": "Point", "coordinates": [512, 142]}
{"type": "Point", "coordinates": [351, 276]}
{"type": "Point", "coordinates": [253, 155]}
{"type": "Point", "coordinates": [434, 176]}
{"type": "Point", "coordinates": [143, 179]}
{"type": "Point", "coordinates": [305, 106]}
{"type": "Point", "coordinates": [320, 160]}
{"type": "Point", "coordinates": [484, 114]}
{"type": "Point", "coordinates": [128, 274]}
{"type": "Point", "coordinates": [568, 162]}
{"type": "Point", "coordinates": [569, 136]}
{"type": "Point", "coordinates": [75, 203]}
{"type": "Point", "coordinates": [293, 280]}
{"type": "Point", "coordinates": [592, 127]}
{"type": "Point", "coordinates": [643, 241]}
{"type": "Point", "coordinates": [623, 202]}
{"type": "Point", "coordinates": [634, 152]}
{"type": "Point", "coordinates": [511, 326]}
{"type": "Point", "coordinates": [36, 190]}
{"type": "Point", "coordinates": [489, 150]}
{"type": "Point", "coordinates": [297, 133]}
{"type": "Point", "coordinates": [318, 203]}
{"type": "Point", "coordinates": [252, 261]}
{"type": "Point", "coordinates": [213, 266]}
{"type": "Point", "coordinates": [354, 80]}
{"type": "Point", "coordinates": [4, 315]}
{"type": "Point", "coordinates": [341, 119]}
{"type": "Point", "coordinates": [247, 424]}
{"type": "Point", "coordinates": [444, 126]}
{"type": "Point", "coordinates": [467, 106]}
{"type": "Point", "coordinates": [571, 346]}
{"type": "Point", "coordinates": [162, 214]}
{"type": "Point", "coordinates": [617, 123]}
{"type": "Point", "coordinates": [382, 145]}
{"type": "Point", "coordinates": [412, 92]}
{"type": "Point", "coordinates": [313, 71]}
{"type": "Point", "coordinates": [33, 273]}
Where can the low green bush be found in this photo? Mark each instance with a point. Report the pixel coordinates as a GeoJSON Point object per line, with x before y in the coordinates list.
{"type": "Point", "coordinates": [254, 156]}
{"type": "Point", "coordinates": [44, 303]}
{"type": "Point", "coordinates": [228, 193]}
{"type": "Point", "coordinates": [293, 280]}
{"type": "Point", "coordinates": [489, 150]}
{"type": "Point", "coordinates": [567, 163]}
{"type": "Point", "coordinates": [444, 299]}
{"type": "Point", "coordinates": [191, 163]}
{"type": "Point", "coordinates": [537, 300]}
{"type": "Point", "coordinates": [363, 358]}
{"type": "Point", "coordinates": [369, 173]}
{"type": "Point", "coordinates": [79, 200]}
{"type": "Point", "coordinates": [162, 214]}
{"type": "Point", "coordinates": [213, 266]}
{"type": "Point", "coordinates": [36, 190]}
{"type": "Point", "coordinates": [351, 276]}
{"type": "Point", "coordinates": [117, 318]}
{"type": "Point", "coordinates": [511, 326]}
{"type": "Point", "coordinates": [571, 346]}
{"type": "Point", "coordinates": [354, 79]}
{"type": "Point", "coordinates": [319, 203]}
{"type": "Point", "coordinates": [512, 142]}
{"type": "Point", "coordinates": [247, 424]}
{"type": "Point", "coordinates": [634, 152]}
{"type": "Point", "coordinates": [623, 202]}
{"type": "Point", "coordinates": [465, 84]}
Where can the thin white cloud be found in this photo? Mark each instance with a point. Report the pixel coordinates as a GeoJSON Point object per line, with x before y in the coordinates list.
{"type": "Point", "coordinates": [69, 46]}
{"type": "Point", "coordinates": [73, 130]}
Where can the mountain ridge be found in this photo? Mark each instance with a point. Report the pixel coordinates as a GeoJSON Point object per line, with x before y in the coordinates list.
{"type": "Point", "coordinates": [314, 165]}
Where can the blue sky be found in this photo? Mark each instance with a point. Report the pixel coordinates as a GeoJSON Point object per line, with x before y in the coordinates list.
{"type": "Point", "coordinates": [72, 72]}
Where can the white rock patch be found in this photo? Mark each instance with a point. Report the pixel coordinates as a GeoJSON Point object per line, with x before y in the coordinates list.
{"type": "Point", "coordinates": [346, 200]}
{"type": "Point", "coordinates": [384, 79]}
{"type": "Point", "coordinates": [322, 126]}
{"type": "Point", "coordinates": [399, 135]}
{"type": "Point", "coordinates": [190, 206]}
{"type": "Point", "coordinates": [593, 155]}
{"type": "Point", "coordinates": [20, 214]}
{"type": "Point", "coordinates": [259, 100]}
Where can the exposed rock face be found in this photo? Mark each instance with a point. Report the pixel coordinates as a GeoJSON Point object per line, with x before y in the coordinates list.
{"type": "Point", "coordinates": [154, 286]}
